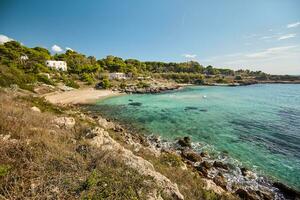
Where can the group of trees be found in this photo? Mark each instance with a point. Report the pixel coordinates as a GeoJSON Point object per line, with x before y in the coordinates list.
{"type": "Point", "coordinates": [88, 68]}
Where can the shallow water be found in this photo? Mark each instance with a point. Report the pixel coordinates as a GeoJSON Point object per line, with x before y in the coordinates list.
{"type": "Point", "coordinates": [258, 125]}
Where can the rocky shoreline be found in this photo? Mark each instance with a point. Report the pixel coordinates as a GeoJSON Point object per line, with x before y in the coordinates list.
{"type": "Point", "coordinates": [149, 90]}
{"type": "Point", "coordinates": [218, 171]}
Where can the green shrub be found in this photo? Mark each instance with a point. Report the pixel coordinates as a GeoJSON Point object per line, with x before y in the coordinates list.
{"type": "Point", "coordinates": [87, 78]}
{"type": "Point", "coordinates": [142, 84]}
{"type": "Point", "coordinates": [43, 78]}
{"type": "Point", "coordinates": [71, 83]}
{"type": "Point", "coordinates": [4, 170]}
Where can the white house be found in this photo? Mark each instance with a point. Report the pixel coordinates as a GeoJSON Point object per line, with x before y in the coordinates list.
{"type": "Point", "coordinates": [24, 57]}
{"type": "Point", "coordinates": [119, 75]}
{"type": "Point", "coordinates": [58, 65]}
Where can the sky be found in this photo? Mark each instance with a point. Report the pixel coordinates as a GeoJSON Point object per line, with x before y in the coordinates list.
{"type": "Point", "coordinates": [238, 34]}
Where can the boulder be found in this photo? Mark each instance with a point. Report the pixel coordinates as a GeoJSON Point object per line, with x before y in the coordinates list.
{"type": "Point", "coordinates": [112, 148]}
{"type": "Point", "coordinates": [244, 194]}
{"type": "Point", "coordinates": [191, 155]}
{"type": "Point", "coordinates": [185, 142]}
{"type": "Point", "coordinates": [35, 109]}
{"type": "Point", "coordinates": [206, 164]}
{"type": "Point", "coordinates": [65, 122]}
{"type": "Point", "coordinates": [248, 174]}
{"type": "Point", "coordinates": [204, 154]}
{"type": "Point", "coordinates": [106, 124]}
{"type": "Point", "coordinates": [219, 164]}
{"type": "Point", "coordinates": [288, 192]}
{"type": "Point", "coordinates": [220, 181]}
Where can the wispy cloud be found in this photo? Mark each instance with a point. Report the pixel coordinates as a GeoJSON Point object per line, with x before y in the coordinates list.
{"type": "Point", "coordinates": [4, 39]}
{"type": "Point", "coordinates": [269, 52]}
{"type": "Point", "coordinates": [275, 60]}
{"type": "Point", "coordinates": [284, 37]}
{"type": "Point", "coordinates": [293, 25]}
{"type": "Point", "coordinates": [55, 48]}
{"type": "Point", "coordinates": [189, 55]}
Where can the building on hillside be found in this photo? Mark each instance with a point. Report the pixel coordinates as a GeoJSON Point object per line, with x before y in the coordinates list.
{"type": "Point", "coordinates": [118, 75]}
{"type": "Point", "coordinates": [58, 65]}
{"type": "Point", "coordinates": [24, 57]}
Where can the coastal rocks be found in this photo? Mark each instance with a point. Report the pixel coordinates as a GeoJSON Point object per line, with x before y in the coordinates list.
{"type": "Point", "coordinates": [185, 142]}
{"type": "Point", "coordinates": [288, 192]}
{"type": "Point", "coordinates": [191, 155]}
{"type": "Point", "coordinates": [219, 164]}
{"type": "Point", "coordinates": [248, 174]}
{"type": "Point", "coordinates": [244, 194]}
{"type": "Point", "coordinates": [35, 109]}
{"type": "Point", "coordinates": [65, 122]}
{"type": "Point", "coordinates": [220, 181]}
{"type": "Point", "coordinates": [210, 185]}
{"type": "Point", "coordinates": [105, 143]}
{"type": "Point", "coordinates": [151, 89]}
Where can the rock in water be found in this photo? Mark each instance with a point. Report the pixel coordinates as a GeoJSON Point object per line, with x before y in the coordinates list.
{"type": "Point", "coordinates": [185, 142]}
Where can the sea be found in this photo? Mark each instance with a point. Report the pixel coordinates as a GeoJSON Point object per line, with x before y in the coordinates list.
{"type": "Point", "coordinates": [257, 126]}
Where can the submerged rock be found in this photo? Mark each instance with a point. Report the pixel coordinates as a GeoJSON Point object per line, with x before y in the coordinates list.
{"type": "Point", "coordinates": [135, 104]}
{"type": "Point", "coordinates": [190, 108]}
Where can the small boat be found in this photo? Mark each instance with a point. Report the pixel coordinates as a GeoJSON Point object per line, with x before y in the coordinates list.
{"type": "Point", "coordinates": [204, 96]}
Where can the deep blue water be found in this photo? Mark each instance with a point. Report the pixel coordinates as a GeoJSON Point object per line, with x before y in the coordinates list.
{"type": "Point", "coordinates": [258, 125]}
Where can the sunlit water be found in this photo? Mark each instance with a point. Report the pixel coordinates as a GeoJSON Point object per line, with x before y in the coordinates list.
{"type": "Point", "coordinates": [258, 125]}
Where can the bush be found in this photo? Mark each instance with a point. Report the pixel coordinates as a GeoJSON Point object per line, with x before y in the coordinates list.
{"type": "Point", "coordinates": [43, 78]}
{"type": "Point", "coordinates": [87, 78]}
{"type": "Point", "coordinates": [142, 84]}
{"type": "Point", "coordinates": [106, 83]}
{"type": "Point", "coordinates": [71, 83]}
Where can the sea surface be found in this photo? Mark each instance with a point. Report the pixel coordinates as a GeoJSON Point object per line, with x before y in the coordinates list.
{"type": "Point", "coordinates": [257, 125]}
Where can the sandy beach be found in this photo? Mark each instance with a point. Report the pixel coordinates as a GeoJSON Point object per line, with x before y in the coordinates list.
{"type": "Point", "coordinates": [79, 96]}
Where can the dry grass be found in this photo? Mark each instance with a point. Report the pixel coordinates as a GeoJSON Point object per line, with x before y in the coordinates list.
{"type": "Point", "coordinates": [41, 161]}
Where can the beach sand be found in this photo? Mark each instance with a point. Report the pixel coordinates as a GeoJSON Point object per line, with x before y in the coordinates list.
{"type": "Point", "coordinates": [79, 96]}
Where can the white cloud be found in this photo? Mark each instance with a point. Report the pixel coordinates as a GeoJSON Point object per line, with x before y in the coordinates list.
{"type": "Point", "coordinates": [189, 55]}
{"type": "Point", "coordinates": [4, 38]}
{"type": "Point", "coordinates": [293, 25]}
{"type": "Point", "coordinates": [284, 37]}
{"type": "Point", "coordinates": [56, 48]}
{"type": "Point", "coordinates": [269, 52]}
{"type": "Point", "coordinates": [68, 48]}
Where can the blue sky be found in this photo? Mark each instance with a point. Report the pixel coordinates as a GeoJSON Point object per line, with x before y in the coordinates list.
{"type": "Point", "coordinates": [257, 34]}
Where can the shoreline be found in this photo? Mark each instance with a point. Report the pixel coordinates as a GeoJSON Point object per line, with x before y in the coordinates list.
{"type": "Point", "coordinates": [225, 174]}
{"type": "Point", "coordinates": [80, 96]}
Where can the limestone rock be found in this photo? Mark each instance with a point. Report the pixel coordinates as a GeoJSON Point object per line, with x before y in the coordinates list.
{"type": "Point", "coordinates": [35, 109]}
{"type": "Point", "coordinates": [105, 124]}
{"type": "Point", "coordinates": [105, 143]}
{"type": "Point", "coordinates": [210, 185]}
{"type": "Point", "coordinates": [192, 156]}
{"type": "Point", "coordinates": [65, 122]}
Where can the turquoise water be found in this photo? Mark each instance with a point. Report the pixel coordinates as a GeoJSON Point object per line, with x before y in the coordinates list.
{"type": "Point", "coordinates": [258, 125]}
